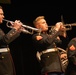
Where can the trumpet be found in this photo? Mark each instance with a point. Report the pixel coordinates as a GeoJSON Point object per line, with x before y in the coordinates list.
{"type": "Point", "coordinates": [24, 26]}
{"type": "Point", "coordinates": [67, 26]}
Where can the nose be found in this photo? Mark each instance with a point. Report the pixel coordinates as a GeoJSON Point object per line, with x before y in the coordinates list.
{"type": "Point", "coordinates": [3, 16]}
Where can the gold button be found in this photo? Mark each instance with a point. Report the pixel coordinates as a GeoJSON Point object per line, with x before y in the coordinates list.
{"type": "Point", "coordinates": [48, 56]}
{"type": "Point", "coordinates": [11, 34]}
{"type": "Point", "coordinates": [2, 56]}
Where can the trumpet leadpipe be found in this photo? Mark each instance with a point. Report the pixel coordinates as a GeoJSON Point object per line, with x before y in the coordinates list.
{"type": "Point", "coordinates": [7, 20]}
{"type": "Point", "coordinates": [25, 26]}
{"type": "Point", "coordinates": [32, 28]}
{"type": "Point", "coordinates": [65, 25]}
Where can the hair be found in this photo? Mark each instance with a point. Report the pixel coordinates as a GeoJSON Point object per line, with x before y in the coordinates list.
{"type": "Point", "coordinates": [37, 19]}
{"type": "Point", "coordinates": [0, 7]}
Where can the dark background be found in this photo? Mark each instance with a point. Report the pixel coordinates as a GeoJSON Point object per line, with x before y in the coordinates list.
{"type": "Point", "coordinates": [22, 49]}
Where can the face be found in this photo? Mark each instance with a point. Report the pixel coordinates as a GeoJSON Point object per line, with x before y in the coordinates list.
{"type": "Point", "coordinates": [1, 15]}
{"type": "Point", "coordinates": [42, 25]}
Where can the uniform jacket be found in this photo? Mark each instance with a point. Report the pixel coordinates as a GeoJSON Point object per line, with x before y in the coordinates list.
{"type": "Point", "coordinates": [50, 62]}
{"type": "Point", "coordinates": [5, 39]}
{"type": "Point", "coordinates": [71, 53]}
{"type": "Point", "coordinates": [6, 63]}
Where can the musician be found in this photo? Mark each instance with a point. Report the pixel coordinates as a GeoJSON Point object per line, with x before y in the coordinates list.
{"type": "Point", "coordinates": [46, 46]}
{"type": "Point", "coordinates": [6, 63]}
{"type": "Point", "coordinates": [71, 54]}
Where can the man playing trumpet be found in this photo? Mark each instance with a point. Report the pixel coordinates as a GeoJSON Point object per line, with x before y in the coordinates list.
{"type": "Point", "coordinates": [46, 46]}
{"type": "Point", "coordinates": [6, 63]}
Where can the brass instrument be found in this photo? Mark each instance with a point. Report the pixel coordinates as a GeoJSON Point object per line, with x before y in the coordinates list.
{"type": "Point", "coordinates": [68, 26]}
{"type": "Point", "coordinates": [30, 30]}
{"type": "Point", "coordinates": [24, 26]}
{"type": "Point", "coordinates": [63, 59]}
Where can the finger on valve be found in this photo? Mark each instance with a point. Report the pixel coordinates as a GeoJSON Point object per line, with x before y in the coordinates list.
{"type": "Point", "coordinates": [17, 25]}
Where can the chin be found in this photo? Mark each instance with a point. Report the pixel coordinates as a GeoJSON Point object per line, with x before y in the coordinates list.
{"type": "Point", "coordinates": [1, 21]}
{"type": "Point", "coordinates": [46, 29]}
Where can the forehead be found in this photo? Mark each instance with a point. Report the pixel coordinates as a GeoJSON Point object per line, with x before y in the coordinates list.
{"type": "Point", "coordinates": [41, 21]}
{"type": "Point", "coordinates": [1, 11]}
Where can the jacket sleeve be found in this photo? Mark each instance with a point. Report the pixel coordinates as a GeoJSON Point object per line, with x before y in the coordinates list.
{"type": "Point", "coordinates": [47, 39]}
{"type": "Point", "coordinates": [50, 39]}
{"type": "Point", "coordinates": [10, 36]}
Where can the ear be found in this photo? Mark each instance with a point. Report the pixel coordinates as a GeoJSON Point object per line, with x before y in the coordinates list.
{"type": "Point", "coordinates": [37, 26]}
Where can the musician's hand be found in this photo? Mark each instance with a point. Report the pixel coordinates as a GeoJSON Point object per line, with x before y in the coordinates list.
{"type": "Point", "coordinates": [39, 37]}
{"type": "Point", "coordinates": [64, 34]}
{"type": "Point", "coordinates": [58, 37]}
{"type": "Point", "coordinates": [17, 25]}
{"type": "Point", "coordinates": [63, 56]}
{"type": "Point", "coordinates": [62, 28]}
{"type": "Point", "coordinates": [59, 26]}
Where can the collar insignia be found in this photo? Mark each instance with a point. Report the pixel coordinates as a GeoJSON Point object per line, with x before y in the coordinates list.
{"type": "Point", "coordinates": [72, 47]}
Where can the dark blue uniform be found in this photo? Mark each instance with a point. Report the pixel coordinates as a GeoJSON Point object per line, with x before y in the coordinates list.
{"type": "Point", "coordinates": [71, 53]}
{"type": "Point", "coordinates": [50, 60]}
{"type": "Point", "coordinates": [6, 62]}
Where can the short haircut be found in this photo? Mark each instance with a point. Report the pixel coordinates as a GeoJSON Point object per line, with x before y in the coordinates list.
{"type": "Point", "coordinates": [37, 19]}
